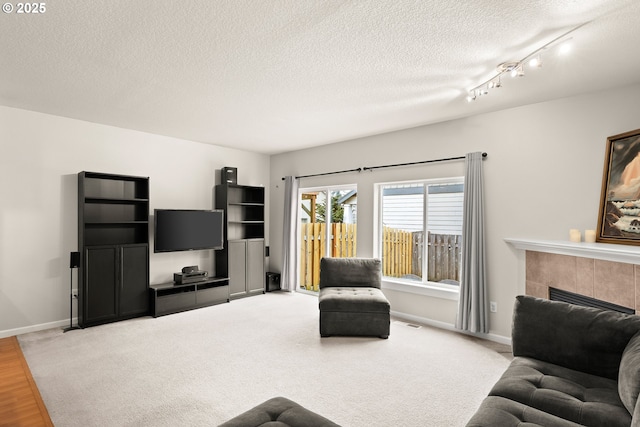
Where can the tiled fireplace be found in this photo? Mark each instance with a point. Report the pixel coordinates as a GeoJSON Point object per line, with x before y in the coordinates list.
{"type": "Point", "coordinates": [605, 272]}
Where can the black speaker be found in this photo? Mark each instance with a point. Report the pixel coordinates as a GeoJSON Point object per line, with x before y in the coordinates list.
{"type": "Point", "coordinates": [229, 175]}
{"type": "Point", "coordinates": [74, 260]}
{"type": "Point", "coordinates": [273, 282]}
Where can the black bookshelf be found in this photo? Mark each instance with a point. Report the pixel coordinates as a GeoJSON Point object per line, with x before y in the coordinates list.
{"type": "Point", "coordinates": [242, 259]}
{"type": "Point", "coordinates": [113, 241]}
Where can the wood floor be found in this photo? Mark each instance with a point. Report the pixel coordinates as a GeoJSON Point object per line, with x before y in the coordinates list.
{"type": "Point", "coordinates": [20, 401]}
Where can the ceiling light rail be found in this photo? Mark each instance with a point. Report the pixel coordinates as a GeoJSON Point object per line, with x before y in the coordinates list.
{"type": "Point", "coordinates": [370, 168]}
{"type": "Point", "coordinates": [516, 68]}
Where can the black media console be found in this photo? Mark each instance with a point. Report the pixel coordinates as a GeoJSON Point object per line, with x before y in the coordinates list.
{"type": "Point", "coordinates": [171, 297]}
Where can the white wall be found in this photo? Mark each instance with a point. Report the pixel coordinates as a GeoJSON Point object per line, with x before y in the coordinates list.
{"type": "Point", "coordinates": [39, 162]}
{"type": "Point", "coordinates": [542, 177]}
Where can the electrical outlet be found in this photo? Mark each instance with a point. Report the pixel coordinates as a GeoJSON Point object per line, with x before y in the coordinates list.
{"type": "Point", "coordinates": [493, 307]}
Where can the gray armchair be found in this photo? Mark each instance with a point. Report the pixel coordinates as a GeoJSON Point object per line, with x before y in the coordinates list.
{"type": "Point", "coordinates": [351, 301]}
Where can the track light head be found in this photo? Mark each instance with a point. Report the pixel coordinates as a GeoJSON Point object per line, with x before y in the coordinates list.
{"type": "Point", "coordinates": [535, 62]}
{"type": "Point", "coordinates": [565, 48]}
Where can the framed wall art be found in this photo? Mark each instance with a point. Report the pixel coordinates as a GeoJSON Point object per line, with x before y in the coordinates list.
{"type": "Point", "coordinates": [619, 216]}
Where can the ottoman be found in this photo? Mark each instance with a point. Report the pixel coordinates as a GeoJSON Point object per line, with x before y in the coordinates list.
{"type": "Point", "coordinates": [279, 412]}
{"type": "Point", "coordinates": [355, 311]}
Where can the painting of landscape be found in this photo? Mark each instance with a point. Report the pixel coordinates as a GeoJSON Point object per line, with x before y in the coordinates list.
{"type": "Point", "coordinates": [619, 217]}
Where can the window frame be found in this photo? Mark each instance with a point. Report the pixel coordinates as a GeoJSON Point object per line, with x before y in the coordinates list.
{"type": "Point", "coordinates": [328, 189]}
{"type": "Point", "coordinates": [428, 288]}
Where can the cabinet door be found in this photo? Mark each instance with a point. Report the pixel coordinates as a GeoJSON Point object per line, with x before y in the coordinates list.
{"type": "Point", "coordinates": [237, 268]}
{"type": "Point", "coordinates": [134, 280]}
{"type": "Point", "coordinates": [100, 285]}
{"type": "Point", "coordinates": [255, 266]}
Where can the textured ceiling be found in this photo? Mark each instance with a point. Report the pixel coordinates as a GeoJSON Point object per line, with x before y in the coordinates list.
{"type": "Point", "coordinates": [279, 75]}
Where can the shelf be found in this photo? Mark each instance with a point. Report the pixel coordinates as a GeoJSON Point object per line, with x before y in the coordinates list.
{"type": "Point", "coordinates": [603, 251]}
{"type": "Point", "coordinates": [99, 186]}
{"type": "Point", "coordinates": [128, 234]}
{"type": "Point", "coordinates": [105, 200]}
{"type": "Point", "coordinates": [246, 222]}
{"type": "Point", "coordinates": [247, 204]}
{"type": "Point", "coordinates": [114, 223]}
{"type": "Point", "coordinates": [216, 281]}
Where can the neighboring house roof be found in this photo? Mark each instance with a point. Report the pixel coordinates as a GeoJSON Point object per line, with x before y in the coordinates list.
{"type": "Point", "coordinates": [350, 198]}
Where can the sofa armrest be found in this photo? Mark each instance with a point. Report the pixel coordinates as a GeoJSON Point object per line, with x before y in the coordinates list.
{"type": "Point", "coordinates": [580, 338]}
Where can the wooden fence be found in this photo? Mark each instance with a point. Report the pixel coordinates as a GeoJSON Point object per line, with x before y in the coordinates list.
{"type": "Point", "coordinates": [313, 247]}
{"type": "Point", "coordinates": [401, 252]}
{"type": "Point", "coordinates": [444, 257]}
{"type": "Point", "coordinates": [402, 255]}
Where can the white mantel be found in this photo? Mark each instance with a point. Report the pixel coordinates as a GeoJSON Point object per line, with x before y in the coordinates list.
{"type": "Point", "coordinates": [603, 251]}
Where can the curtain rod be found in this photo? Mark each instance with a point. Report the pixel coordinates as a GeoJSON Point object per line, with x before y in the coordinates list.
{"type": "Point", "coordinates": [484, 155]}
{"type": "Point", "coordinates": [327, 173]}
{"type": "Point", "coordinates": [418, 163]}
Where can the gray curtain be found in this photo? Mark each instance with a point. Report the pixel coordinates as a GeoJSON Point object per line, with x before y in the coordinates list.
{"type": "Point", "coordinates": [472, 306]}
{"type": "Point", "coordinates": [290, 235]}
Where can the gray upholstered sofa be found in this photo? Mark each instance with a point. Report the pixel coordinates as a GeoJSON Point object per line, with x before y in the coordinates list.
{"type": "Point", "coordinates": [572, 366]}
{"type": "Point", "coordinates": [351, 301]}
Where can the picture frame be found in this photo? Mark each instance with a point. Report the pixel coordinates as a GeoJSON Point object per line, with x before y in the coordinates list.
{"type": "Point", "coordinates": [619, 215]}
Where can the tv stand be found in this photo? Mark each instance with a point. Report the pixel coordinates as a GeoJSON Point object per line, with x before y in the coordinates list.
{"type": "Point", "coordinates": [171, 297]}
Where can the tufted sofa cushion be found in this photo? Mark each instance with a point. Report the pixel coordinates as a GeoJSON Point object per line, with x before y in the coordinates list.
{"type": "Point", "coordinates": [279, 412]}
{"type": "Point", "coordinates": [575, 396]}
{"type": "Point", "coordinates": [358, 299]}
{"type": "Point", "coordinates": [499, 411]}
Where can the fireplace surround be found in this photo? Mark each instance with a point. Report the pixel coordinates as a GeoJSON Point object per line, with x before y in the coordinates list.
{"type": "Point", "coordinates": [605, 272]}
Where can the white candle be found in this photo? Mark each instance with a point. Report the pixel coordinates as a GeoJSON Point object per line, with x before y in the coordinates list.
{"type": "Point", "coordinates": [590, 236]}
{"type": "Point", "coordinates": [575, 235]}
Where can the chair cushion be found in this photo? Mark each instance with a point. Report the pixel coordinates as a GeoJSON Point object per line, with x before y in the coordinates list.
{"type": "Point", "coordinates": [279, 412]}
{"type": "Point", "coordinates": [575, 396]}
{"type": "Point", "coordinates": [629, 377]}
{"type": "Point", "coordinates": [357, 299]}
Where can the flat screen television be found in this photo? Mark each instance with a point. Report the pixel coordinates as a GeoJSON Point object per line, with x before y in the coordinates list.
{"type": "Point", "coordinates": [188, 230]}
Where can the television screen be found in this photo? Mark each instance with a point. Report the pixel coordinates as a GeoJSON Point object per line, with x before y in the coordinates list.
{"type": "Point", "coordinates": [188, 230]}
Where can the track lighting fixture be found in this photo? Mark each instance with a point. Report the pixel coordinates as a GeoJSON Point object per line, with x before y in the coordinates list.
{"type": "Point", "coordinates": [516, 68]}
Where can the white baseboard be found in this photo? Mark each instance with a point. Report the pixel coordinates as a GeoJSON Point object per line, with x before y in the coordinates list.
{"type": "Point", "coordinates": [449, 327]}
{"type": "Point", "coordinates": [36, 328]}
{"type": "Point", "coordinates": [403, 316]}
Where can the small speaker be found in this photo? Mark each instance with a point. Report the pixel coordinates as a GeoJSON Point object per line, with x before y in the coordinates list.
{"type": "Point", "coordinates": [273, 282]}
{"type": "Point", "coordinates": [74, 259]}
{"type": "Point", "coordinates": [229, 175]}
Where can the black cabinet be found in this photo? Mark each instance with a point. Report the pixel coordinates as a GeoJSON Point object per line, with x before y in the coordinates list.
{"type": "Point", "coordinates": [246, 267]}
{"type": "Point", "coordinates": [115, 285]}
{"type": "Point", "coordinates": [167, 298]}
{"type": "Point", "coordinates": [113, 240]}
{"type": "Point", "coordinates": [242, 259]}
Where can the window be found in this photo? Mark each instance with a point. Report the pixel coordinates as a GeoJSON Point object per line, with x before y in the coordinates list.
{"type": "Point", "coordinates": [327, 228]}
{"type": "Point", "coordinates": [420, 231]}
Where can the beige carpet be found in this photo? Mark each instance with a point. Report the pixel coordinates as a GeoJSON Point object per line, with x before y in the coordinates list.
{"type": "Point", "coordinates": [202, 367]}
